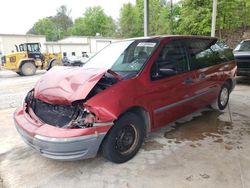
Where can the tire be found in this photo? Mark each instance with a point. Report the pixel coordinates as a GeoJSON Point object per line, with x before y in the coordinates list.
{"type": "Point", "coordinates": [19, 73]}
{"type": "Point", "coordinates": [52, 64]}
{"type": "Point", "coordinates": [28, 69]}
{"type": "Point", "coordinates": [124, 139]}
{"type": "Point", "coordinates": [223, 98]}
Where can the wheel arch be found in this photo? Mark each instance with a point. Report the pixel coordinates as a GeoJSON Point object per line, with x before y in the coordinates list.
{"type": "Point", "coordinates": [20, 64]}
{"type": "Point", "coordinates": [230, 83]}
{"type": "Point", "coordinates": [143, 115]}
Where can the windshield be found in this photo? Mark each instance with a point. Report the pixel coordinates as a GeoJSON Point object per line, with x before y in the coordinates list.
{"type": "Point", "coordinates": [243, 46]}
{"type": "Point", "coordinates": [124, 56]}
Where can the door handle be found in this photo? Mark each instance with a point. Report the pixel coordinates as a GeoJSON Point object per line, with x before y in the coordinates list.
{"type": "Point", "coordinates": [189, 80]}
{"type": "Point", "coordinates": [202, 76]}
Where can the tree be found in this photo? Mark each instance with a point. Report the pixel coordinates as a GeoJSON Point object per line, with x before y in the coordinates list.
{"type": "Point", "coordinates": [94, 21]}
{"type": "Point", "coordinates": [195, 17]}
{"type": "Point", "coordinates": [63, 21]}
{"type": "Point", "coordinates": [165, 18]}
{"type": "Point", "coordinates": [131, 20]}
{"type": "Point", "coordinates": [45, 27]}
{"type": "Point", "coordinates": [233, 14]}
{"type": "Point", "coordinates": [129, 25]}
{"type": "Point", "coordinates": [54, 27]}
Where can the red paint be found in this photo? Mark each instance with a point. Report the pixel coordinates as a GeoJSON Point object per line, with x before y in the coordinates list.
{"type": "Point", "coordinates": [67, 85]}
{"type": "Point", "coordinates": [34, 128]}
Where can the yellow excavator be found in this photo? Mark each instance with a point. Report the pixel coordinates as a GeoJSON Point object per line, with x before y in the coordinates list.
{"type": "Point", "coordinates": [28, 58]}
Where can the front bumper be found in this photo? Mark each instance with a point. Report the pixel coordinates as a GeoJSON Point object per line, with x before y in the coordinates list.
{"type": "Point", "coordinates": [60, 148]}
{"type": "Point", "coordinates": [243, 71]}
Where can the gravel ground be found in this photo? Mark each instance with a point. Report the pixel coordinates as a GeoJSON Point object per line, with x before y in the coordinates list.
{"type": "Point", "coordinates": [201, 150]}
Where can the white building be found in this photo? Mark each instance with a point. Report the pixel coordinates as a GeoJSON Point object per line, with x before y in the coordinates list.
{"type": "Point", "coordinates": [8, 41]}
{"type": "Point", "coordinates": [73, 45]}
{"type": "Point", "coordinates": [77, 45]}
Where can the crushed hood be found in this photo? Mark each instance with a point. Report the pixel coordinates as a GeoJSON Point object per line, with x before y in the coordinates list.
{"type": "Point", "coordinates": [63, 85]}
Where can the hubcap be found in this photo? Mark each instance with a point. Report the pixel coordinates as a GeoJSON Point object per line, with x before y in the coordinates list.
{"type": "Point", "coordinates": [29, 70]}
{"type": "Point", "coordinates": [224, 96]}
{"type": "Point", "coordinates": [127, 139]}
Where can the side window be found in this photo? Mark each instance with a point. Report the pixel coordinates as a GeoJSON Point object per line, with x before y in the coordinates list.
{"type": "Point", "coordinates": [172, 60]}
{"type": "Point", "coordinates": [207, 52]}
{"type": "Point", "coordinates": [201, 54]}
{"type": "Point", "coordinates": [73, 53]}
{"type": "Point", "coordinates": [225, 53]}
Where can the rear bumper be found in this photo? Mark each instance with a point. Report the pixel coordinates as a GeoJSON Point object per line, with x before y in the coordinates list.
{"type": "Point", "coordinates": [60, 148]}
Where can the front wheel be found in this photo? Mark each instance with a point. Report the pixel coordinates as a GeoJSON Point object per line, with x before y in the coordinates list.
{"type": "Point", "coordinates": [223, 98]}
{"type": "Point", "coordinates": [28, 69]}
{"type": "Point", "coordinates": [124, 139]}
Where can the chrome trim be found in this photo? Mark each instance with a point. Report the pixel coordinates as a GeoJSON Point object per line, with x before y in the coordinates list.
{"type": "Point", "coordinates": [72, 139]}
{"type": "Point", "coordinates": [103, 124]}
{"type": "Point", "coordinates": [158, 110]}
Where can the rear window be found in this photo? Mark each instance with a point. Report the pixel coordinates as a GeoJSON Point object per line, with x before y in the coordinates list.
{"type": "Point", "coordinates": [207, 52]}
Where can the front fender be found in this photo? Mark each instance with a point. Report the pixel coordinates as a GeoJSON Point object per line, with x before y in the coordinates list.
{"type": "Point", "coordinates": [20, 62]}
{"type": "Point", "coordinates": [109, 104]}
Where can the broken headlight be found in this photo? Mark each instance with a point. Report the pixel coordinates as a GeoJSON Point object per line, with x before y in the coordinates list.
{"type": "Point", "coordinates": [28, 98]}
{"type": "Point", "coordinates": [83, 120]}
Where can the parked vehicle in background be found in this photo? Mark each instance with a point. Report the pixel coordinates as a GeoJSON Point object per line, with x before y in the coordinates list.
{"type": "Point", "coordinates": [75, 61]}
{"type": "Point", "coordinates": [127, 90]}
{"type": "Point", "coordinates": [28, 58]}
{"type": "Point", "coordinates": [242, 57]}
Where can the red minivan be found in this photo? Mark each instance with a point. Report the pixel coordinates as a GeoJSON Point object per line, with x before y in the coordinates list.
{"type": "Point", "coordinates": [127, 90]}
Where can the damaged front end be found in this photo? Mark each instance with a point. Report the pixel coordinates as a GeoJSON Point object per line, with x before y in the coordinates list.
{"type": "Point", "coordinates": [74, 115]}
{"type": "Point", "coordinates": [62, 116]}
{"type": "Point", "coordinates": [56, 119]}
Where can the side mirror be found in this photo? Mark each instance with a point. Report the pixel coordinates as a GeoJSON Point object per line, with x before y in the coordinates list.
{"type": "Point", "coordinates": [167, 72]}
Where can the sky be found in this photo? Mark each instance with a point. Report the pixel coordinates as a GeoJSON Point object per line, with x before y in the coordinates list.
{"type": "Point", "coordinates": [18, 16]}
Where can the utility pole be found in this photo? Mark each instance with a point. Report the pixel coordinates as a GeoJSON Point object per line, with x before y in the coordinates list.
{"type": "Point", "coordinates": [171, 17]}
{"type": "Point", "coordinates": [146, 10]}
{"type": "Point", "coordinates": [214, 18]}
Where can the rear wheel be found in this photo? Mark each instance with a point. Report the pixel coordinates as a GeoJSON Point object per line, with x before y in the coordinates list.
{"type": "Point", "coordinates": [223, 98]}
{"type": "Point", "coordinates": [124, 139]}
{"type": "Point", "coordinates": [28, 69]}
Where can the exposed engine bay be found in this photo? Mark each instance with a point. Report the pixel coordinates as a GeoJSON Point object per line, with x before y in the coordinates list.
{"type": "Point", "coordinates": [68, 116]}
{"type": "Point", "coordinates": [105, 82]}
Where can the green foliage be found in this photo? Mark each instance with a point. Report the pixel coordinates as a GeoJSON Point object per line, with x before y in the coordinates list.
{"type": "Point", "coordinates": [195, 17]}
{"type": "Point", "coordinates": [191, 17]}
{"type": "Point", "coordinates": [94, 21]}
{"type": "Point", "coordinates": [54, 27]}
{"type": "Point", "coordinates": [129, 21]}
{"type": "Point", "coordinates": [45, 27]}
{"type": "Point", "coordinates": [233, 14]}
{"type": "Point", "coordinates": [63, 21]}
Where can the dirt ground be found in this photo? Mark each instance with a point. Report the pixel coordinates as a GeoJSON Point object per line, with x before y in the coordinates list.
{"type": "Point", "coordinates": [201, 150]}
